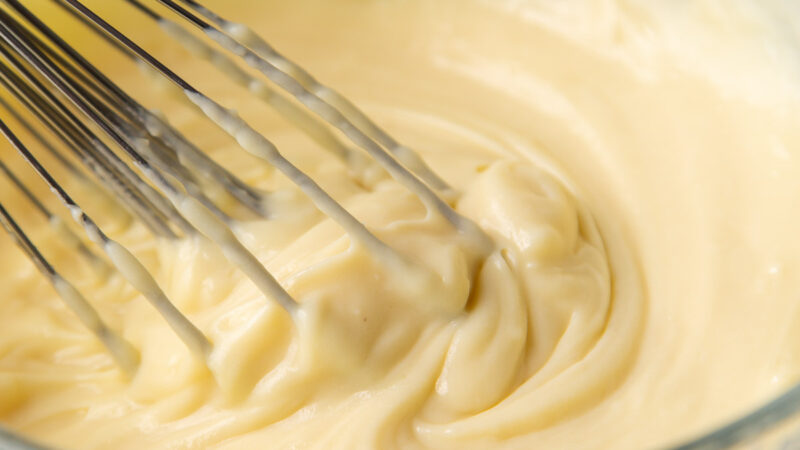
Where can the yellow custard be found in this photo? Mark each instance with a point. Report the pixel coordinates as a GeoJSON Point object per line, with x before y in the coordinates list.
{"type": "Point", "coordinates": [634, 164]}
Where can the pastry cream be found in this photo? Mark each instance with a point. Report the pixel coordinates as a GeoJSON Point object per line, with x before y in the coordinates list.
{"type": "Point", "coordinates": [633, 164]}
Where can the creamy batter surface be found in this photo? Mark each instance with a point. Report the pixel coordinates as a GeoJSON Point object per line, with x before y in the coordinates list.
{"type": "Point", "coordinates": [635, 164]}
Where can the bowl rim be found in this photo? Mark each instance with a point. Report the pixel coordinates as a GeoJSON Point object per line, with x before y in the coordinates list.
{"type": "Point", "coordinates": [750, 425]}
{"type": "Point", "coordinates": [746, 427]}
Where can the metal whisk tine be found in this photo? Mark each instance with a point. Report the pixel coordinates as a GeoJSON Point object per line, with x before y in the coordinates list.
{"type": "Point", "coordinates": [101, 116]}
{"type": "Point", "coordinates": [122, 259]}
{"type": "Point", "coordinates": [257, 44]}
{"type": "Point", "coordinates": [66, 235]}
{"type": "Point", "coordinates": [122, 351]}
{"type": "Point", "coordinates": [118, 176]}
{"type": "Point", "coordinates": [301, 119]}
{"type": "Point", "coordinates": [46, 144]}
{"type": "Point", "coordinates": [190, 203]}
{"type": "Point", "coordinates": [138, 148]}
{"type": "Point", "coordinates": [160, 175]}
{"type": "Point", "coordinates": [187, 152]}
{"type": "Point", "coordinates": [333, 116]}
{"type": "Point", "coordinates": [80, 147]}
{"type": "Point", "coordinates": [254, 143]}
{"type": "Point", "coordinates": [295, 115]}
{"type": "Point", "coordinates": [61, 158]}
{"type": "Point", "coordinates": [163, 157]}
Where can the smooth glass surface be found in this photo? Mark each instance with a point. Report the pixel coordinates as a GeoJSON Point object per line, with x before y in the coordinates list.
{"type": "Point", "coordinates": [774, 426]}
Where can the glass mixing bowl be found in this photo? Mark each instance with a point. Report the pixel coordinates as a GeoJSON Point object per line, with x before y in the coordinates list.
{"type": "Point", "coordinates": [773, 426]}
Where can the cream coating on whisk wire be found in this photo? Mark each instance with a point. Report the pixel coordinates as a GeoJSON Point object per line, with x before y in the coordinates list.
{"type": "Point", "coordinates": [246, 37]}
{"type": "Point", "coordinates": [125, 355]}
{"type": "Point", "coordinates": [258, 145]}
{"type": "Point", "coordinates": [129, 265]}
{"type": "Point", "coordinates": [359, 165]}
{"type": "Point", "coordinates": [120, 349]}
{"type": "Point", "coordinates": [542, 227]}
{"type": "Point", "coordinates": [343, 121]}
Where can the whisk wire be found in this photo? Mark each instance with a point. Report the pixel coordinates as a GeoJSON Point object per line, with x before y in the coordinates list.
{"type": "Point", "coordinates": [123, 260]}
{"type": "Point", "coordinates": [191, 206]}
{"type": "Point", "coordinates": [70, 238]}
{"type": "Point", "coordinates": [257, 44]}
{"type": "Point", "coordinates": [122, 351]}
{"type": "Point", "coordinates": [164, 184]}
{"type": "Point", "coordinates": [186, 151]}
{"type": "Point", "coordinates": [326, 112]}
{"type": "Point", "coordinates": [297, 116]}
{"type": "Point", "coordinates": [96, 154]}
{"type": "Point", "coordinates": [43, 142]}
{"type": "Point", "coordinates": [81, 146]}
{"type": "Point", "coordinates": [59, 79]}
{"type": "Point", "coordinates": [255, 143]}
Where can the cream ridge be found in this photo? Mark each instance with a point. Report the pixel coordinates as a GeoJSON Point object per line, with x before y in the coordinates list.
{"type": "Point", "coordinates": [632, 164]}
